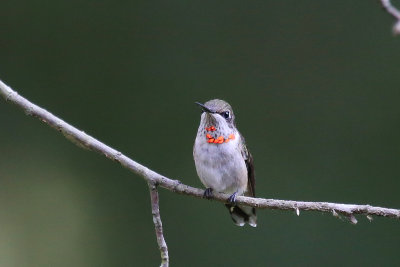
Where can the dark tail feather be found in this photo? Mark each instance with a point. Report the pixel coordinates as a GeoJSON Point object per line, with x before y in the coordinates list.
{"type": "Point", "coordinates": [242, 214]}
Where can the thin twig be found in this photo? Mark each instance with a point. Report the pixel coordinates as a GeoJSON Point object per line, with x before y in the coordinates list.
{"type": "Point", "coordinates": [86, 141]}
{"type": "Point", "coordinates": [391, 9]}
{"type": "Point", "coordinates": [155, 211]}
{"type": "Point", "coordinates": [387, 5]}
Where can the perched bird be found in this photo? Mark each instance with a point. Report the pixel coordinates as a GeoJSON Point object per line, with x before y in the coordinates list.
{"type": "Point", "coordinates": [223, 162]}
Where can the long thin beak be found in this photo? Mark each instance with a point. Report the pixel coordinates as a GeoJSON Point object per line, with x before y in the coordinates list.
{"type": "Point", "coordinates": [204, 108]}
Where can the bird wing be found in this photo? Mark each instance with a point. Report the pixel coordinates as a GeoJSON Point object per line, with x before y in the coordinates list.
{"type": "Point", "coordinates": [248, 158]}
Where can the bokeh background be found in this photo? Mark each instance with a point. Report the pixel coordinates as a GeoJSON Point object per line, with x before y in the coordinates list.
{"type": "Point", "coordinates": [315, 88]}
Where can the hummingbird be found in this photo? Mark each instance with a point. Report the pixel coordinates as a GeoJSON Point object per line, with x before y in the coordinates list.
{"type": "Point", "coordinates": [223, 162]}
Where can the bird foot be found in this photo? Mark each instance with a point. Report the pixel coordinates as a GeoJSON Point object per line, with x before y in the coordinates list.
{"type": "Point", "coordinates": [208, 193]}
{"type": "Point", "coordinates": [232, 198]}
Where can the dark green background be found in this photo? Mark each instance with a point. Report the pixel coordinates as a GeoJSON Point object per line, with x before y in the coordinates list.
{"type": "Point", "coordinates": [315, 88]}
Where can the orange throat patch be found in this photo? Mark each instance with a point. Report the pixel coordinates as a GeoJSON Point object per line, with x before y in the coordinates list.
{"type": "Point", "coordinates": [217, 140]}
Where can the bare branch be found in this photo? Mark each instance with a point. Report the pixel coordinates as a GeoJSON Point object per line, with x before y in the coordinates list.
{"type": "Point", "coordinates": [86, 141]}
{"type": "Point", "coordinates": [391, 9]}
{"type": "Point", "coordinates": [155, 211]}
{"type": "Point", "coordinates": [387, 5]}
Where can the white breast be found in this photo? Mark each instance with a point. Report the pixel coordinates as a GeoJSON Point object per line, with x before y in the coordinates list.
{"type": "Point", "coordinates": [221, 166]}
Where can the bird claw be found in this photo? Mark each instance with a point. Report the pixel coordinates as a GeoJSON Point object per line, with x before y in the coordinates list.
{"type": "Point", "coordinates": [208, 193]}
{"type": "Point", "coordinates": [232, 198]}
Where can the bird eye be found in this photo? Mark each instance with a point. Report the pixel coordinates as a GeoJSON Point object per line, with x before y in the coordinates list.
{"type": "Point", "coordinates": [226, 114]}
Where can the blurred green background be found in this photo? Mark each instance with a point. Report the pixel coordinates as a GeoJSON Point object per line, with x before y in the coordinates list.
{"type": "Point", "coordinates": [315, 88]}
